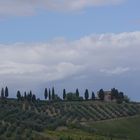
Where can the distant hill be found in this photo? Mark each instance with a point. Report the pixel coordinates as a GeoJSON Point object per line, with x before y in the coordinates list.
{"type": "Point", "coordinates": [22, 120]}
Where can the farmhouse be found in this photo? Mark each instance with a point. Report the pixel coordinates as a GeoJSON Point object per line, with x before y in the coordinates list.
{"type": "Point", "coordinates": [107, 96]}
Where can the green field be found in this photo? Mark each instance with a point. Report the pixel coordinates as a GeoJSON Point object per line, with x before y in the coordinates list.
{"type": "Point", "coordinates": [119, 129]}
{"type": "Point", "coordinates": [75, 120]}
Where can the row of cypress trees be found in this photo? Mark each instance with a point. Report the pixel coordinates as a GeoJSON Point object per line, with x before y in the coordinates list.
{"type": "Point", "coordinates": [4, 92]}
{"type": "Point", "coordinates": [50, 94]}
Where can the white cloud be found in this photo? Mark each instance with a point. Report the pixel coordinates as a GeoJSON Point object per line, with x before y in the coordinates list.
{"type": "Point", "coordinates": [116, 71]}
{"type": "Point", "coordinates": [94, 54]}
{"type": "Point", "coordinates": [29, 7]}
{"type": "Point", "coordinates": [94, 61]}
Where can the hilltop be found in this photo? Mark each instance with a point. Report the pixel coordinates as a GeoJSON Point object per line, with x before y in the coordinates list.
{"type": "Point", "coordinates": [72, 117]}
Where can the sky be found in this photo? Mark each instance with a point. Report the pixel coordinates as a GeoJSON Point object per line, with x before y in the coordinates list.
{"type": "Point", "coordinates": [70, 44]}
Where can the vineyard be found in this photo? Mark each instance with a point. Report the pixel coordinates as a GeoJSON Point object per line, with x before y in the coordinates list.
{"type": "Point", "coordinates": [20, 120]}
{"type": "Point", "coordinates": [72, 112]}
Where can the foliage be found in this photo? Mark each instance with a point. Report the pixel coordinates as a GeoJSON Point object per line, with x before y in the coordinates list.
{"type": "Point", "coordinates": [6, 92]}
{"type": "Point", "coordinates": [93, 96]}
{"type": "Point", "coordinates": [50, 96]}
{"type": "Point", "coordinates": [29, 118]}
{"type": "Point", "coordinates": [46, 93]}
{"type": "Point", "coordinates": [73, 97]}
{"type": "Point", "coordinates": [101, 94]}
{"type": "Point", "coordinates": [115, 94]}
{"type": "Point", "coordinates": [53, 94]}
{"type": "Point", "coordinates": [64, 94]}
{"type": "Point", "coordinates": [2, 93]}
{"type": "Point", "coordinates": [86, 94]}
{"type": "Point", "coordinates": [77, 93]}
{"type": "Point", "coordinates": [18, 95]}
{"type": "Point", "coordinates": [21, 123]}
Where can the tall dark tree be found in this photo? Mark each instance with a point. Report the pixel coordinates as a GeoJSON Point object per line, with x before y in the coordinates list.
{"type": "Point", "coordinates": [93, 96]}
{"type": "Point", "coordinates": [53, 94]}
{"type": "Point", "coordinates": [33, 98]}
{"type": "Point", "coordinates": [50, 97]}
{"type": "Point", "coordinates": [18, 95]}
{"type": "Point", "coordinates": [77, 92]}
{"type": "Point", "coordinates": [101, 94]}
{"type": "Point", "coordinates": [64, 94]}
{"type": "Point", "coordinates": [86, 94]}
{"type": "Point", "coordinates": [2, 93]}
{"type": "Point", "coordinates": [114, 94]}
{"type": "Point", "coordinates": [25, 95]}
{"type": "Point", "coordinates": [6, 92]}
{"type": "Point", "coordinates": [30, 95]}
{"type": "Point", "coordinates": [46, 93]}
{"type": "Point", "coordinates": [120, 97]}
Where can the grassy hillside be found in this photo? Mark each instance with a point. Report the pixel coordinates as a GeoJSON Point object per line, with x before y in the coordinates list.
{"type": "Point", "coordinates": [118, 129]}
{"type": "Point", "coordinates": [126, 127]}
{"type": "Point", "coordinates": [58, 120]}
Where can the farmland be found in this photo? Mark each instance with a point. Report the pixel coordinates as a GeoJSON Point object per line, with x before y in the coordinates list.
{"type": "Point", "coordinates": [68, 120]}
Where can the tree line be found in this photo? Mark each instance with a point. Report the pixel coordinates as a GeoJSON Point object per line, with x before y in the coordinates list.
{"type": "Point", "coordinates": [70, 96]}
{"type": "Point", "coordinates": [50, 95]}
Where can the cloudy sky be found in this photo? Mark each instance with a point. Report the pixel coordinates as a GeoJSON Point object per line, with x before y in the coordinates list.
{"type": "Point", "coordinates": [70, 44]}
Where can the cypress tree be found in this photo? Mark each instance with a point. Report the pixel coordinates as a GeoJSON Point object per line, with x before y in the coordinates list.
{"type": "Point", "coordinates": [30, 95]}
{"type": "Point", "coordinates": [2, 93]}
{"type": "Point", "coordinates": [77, 93]}
{"type": "Point", "coordinates": [101, 94]}
{"type": "Point", "coordinates": [114, 94]}
{"type": "Point", "coordinates": [53, 94]}
{"type": "Point", "coordinates": [50, 95]}
{"type": "Point", "coordinates": [18, 95]}
{"type": "Point", "coordinates": [6, 92]}
{"type": "Point", "coordinates": [86, 94]}
{"type": "Point", "coordinates": [46, 93]}
{"type": "Point", "coordinates": [93, 96]}
{"type": "Point", "coordinates": [25, 95]}
{"type": "Point", "coordinates": [33, 98]}
{"type": "Point", "coordinates": [64, 94]}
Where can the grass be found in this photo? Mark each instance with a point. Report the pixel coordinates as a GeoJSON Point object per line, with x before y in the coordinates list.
{"type": "Point", "coordinates": [77, 134]}
{"type": "Point", "coordinates": [125, 127]}
{"type": "Point", "coordinates": [118, 129]}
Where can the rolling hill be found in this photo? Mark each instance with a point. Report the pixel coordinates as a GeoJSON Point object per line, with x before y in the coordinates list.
{"type": "Point", "coordinates": [58, 120]}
